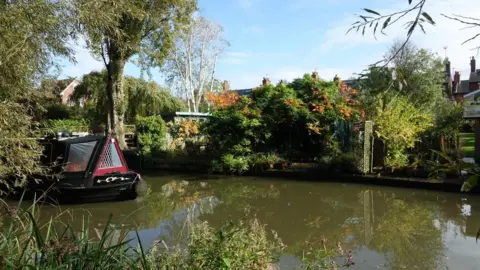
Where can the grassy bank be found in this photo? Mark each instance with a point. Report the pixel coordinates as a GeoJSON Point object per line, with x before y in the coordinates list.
{"type": "Point", "coordinates": [467, 142]}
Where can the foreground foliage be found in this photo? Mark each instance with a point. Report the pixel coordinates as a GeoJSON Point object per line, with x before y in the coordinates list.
{"type": "Point", "coordinates": [28, 244]}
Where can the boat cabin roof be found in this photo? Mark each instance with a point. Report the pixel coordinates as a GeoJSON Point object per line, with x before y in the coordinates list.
{"type": "Point", "coordinates": [87, 156]}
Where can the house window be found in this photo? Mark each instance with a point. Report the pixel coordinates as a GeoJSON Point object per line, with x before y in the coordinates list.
{"type": "Point", "coordinates": [111, 158]}
{"type": "Point", "coordinates": [78, 156]}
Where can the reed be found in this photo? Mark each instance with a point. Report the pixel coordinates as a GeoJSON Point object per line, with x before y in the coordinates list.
{"type": "Point", "coordinates": [25, 243]}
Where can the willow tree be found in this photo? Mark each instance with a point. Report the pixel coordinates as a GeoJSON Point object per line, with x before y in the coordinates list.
{"type": "Point", "coordinates": [119, 30]}
{"type": "Point", "coordinates": [377, 22]}
{"type": "Point", "coordinates": [141, 97]}
{"type": "Point", "coordinates": [32, 35]}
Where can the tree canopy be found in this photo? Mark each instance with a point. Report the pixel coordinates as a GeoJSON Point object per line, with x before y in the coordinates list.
{"type": "Point", "coordinates": [116, 31]}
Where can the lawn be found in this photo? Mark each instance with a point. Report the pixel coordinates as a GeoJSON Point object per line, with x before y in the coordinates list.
{"type": "Point", "coordinates": [467, 143]}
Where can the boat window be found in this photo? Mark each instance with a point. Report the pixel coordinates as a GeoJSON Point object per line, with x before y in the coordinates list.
{"type": "Point", "coordinates": [78, 156]}
{"type": "Point", "coordinates": [111, 158]}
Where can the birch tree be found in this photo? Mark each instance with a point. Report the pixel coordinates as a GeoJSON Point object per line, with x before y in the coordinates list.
{"type": "Point", "coordinates": [191, 66]}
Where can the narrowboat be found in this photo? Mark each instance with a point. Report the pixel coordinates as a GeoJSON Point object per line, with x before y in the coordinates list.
{"type": "Point", "coordinates": [87, 169]}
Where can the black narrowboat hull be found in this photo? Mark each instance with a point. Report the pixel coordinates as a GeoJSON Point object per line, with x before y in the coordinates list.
{"type": "Point", "coordinates": [64, 192]}
{"type": "Point", "coordinates": [117, 192]}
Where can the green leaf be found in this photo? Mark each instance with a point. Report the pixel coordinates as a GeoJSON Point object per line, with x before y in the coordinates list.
{"type": "Point", "coordinates": [425, 14]}
{"type": "Point", "coordinates": [470, 183]}
{"type": "Point", "coordinates": [423, 29]}
{"type": "Point", "coordinates": [226, 261]}
{"type": "Point", "coordinates": [371, 11]}
{"type": "Point", "coordinates": [410, 31]}
{"type": "Point", "coordinates": [375, 28]}
{"type": "Point", "coordinates": [364, 18]}
{"type": "Point", "coordinates": [363, 31]}
{"type": "Point", "coordinates": [409, 2]}
{"type": "Point", "coordinates": [385, 23]}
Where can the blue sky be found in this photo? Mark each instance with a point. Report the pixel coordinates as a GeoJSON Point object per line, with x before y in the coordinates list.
{"type": "Point", "coordinates": [283, 39]}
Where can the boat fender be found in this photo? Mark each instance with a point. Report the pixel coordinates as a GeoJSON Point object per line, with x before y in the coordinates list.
{"type": "Point", "coordinates": [140, 186]}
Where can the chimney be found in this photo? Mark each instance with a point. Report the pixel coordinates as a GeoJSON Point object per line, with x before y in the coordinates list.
{"type": "Point", "coordinates": [473, 65]}
{"type": "Point", "coordinates": [456, 77]}
{"type": "Point", "coordinates": [226, 86]}
{"type": "Point", "coordinates": [265, 81]}
{"type": "Point", "coordinates": [448, 70]}
{"type": "Point", "coordinates": [335, 79]}
{"type": "Point", "coordinates": [315, 75]}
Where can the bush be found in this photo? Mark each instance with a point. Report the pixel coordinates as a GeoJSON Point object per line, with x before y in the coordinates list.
{"type": "Point", "coordinates": [65, 125]}
{"type": "Point", "coordinates": [27, 243]}
{"type": "Point", "coordinates": [151, 133]}
{"type": "Point", "coordinates": [244, 245]}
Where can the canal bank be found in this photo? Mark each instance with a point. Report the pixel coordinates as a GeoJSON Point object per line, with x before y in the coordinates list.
{"type": "Point", "coordinates": [300, 172]}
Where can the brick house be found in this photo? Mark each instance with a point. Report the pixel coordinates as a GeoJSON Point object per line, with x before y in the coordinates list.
{"type": "Point", "coordinates": [248, 91]}
{"type": "Point", "coordinates": [458, 88]}
{"type": "Point", "coordinates": [68, 91]}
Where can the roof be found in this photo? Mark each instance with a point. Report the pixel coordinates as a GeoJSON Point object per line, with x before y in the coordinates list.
{"type": "Point", "coordinates": [72, 140]}
{"type": "Point", "coordinates": [244, 92]}
{"type": "Point", "coordinates": [73, 83]}
{"type": "Point", "coordinates": [475, 76]}
{"type": "Point", "coordinates": [462, 88]}
{"type": "Point", "coordinates": [474, 93]}
{"type": "Point", "coordinates": [196, 114]}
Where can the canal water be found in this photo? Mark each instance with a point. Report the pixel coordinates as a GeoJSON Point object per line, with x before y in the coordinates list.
{"type": "Point", "coordinates": [385, 228]}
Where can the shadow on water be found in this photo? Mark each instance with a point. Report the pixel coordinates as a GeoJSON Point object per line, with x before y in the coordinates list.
{"type": "Point", "coordinates": [385, 228]}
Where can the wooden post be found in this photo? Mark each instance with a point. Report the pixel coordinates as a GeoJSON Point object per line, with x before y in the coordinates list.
{"type": "Point", "coordinates": [477, 140]}
{"type": "Point", "coordinates": [366, 166]}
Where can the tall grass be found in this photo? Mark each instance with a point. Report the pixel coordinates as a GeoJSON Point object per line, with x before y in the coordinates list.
{"type": "Point", "coordinates": [25, 243]}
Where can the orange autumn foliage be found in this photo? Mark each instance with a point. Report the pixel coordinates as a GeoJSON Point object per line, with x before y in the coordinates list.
{"type": "Point", "coordinates": [222, 99]}
{"type": "Point", "coordinates": [294, 103]}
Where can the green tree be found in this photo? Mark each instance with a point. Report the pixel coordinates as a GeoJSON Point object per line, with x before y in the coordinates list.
{"type": "Point", "coordinates": [414, 73]}
{"type": "Point", "coordinates": [149, 99]}
{"type": "Point", "coordinates": [33, 34]}
{"type": "Point", "coordinates": [141, 97]}
{"type": "Point", "coordinates": [401, 125]}
{"type": "Point", "coordinates": [116, 31]}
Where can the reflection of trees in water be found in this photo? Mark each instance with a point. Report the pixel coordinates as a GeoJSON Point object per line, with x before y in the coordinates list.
{"type": "Point", "coordinates": [407, 233]}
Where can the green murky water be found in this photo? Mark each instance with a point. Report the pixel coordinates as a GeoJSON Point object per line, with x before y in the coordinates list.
{"type": "Point", "coordinates": [386, 228]}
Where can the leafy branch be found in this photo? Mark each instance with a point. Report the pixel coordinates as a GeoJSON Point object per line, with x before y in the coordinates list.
{"type": "Point", "coordinates": [379, 23]}
{"type": "Point", "coordinates": [374, 19]}
{"type": "Point", "coordinates": [470, 22]}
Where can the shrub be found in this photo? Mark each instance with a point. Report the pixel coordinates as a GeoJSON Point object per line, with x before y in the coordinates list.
{"type": "Point", "coordinates": [151, 132]}
{"type": "Point", "coordinates": [29, 244]}
{"type": "Point", "coordinates": [243, 245]}
{"type": "Point", "coordinates": [400, 124]}
{"type": "Point", "coordinates": [65, 125]}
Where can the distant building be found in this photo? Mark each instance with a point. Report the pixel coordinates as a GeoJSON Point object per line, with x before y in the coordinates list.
{"type": "Point", "coordinates": [457, 88]}
{"type": "Point", "coordinates": [248, 91]}
{"type": "Point", "coordinates": [66, 93]}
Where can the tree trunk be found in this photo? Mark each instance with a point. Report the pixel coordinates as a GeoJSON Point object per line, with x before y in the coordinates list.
{"type": "Point", "coordinates": [116, 102]}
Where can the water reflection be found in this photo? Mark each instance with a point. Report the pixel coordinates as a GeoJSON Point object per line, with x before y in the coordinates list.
{"type": "Point", "coordinates": [385, 228]}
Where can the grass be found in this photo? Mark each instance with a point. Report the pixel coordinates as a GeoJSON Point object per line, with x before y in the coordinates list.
{"type": "Point", "coordinates": [25, 243]}
{"type": "Point", "coordinates": [467, 142]}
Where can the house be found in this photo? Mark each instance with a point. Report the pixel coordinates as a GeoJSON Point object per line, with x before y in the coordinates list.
{"type": "Point", "coordinates": [458, 89]}
{"type": "Point", "coordinates": [248, 91]}
{"type": "Point", "coordinates": [66, 93]}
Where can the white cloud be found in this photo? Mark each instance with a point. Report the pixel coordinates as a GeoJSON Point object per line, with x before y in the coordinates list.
{"type": "Point", "coordinates": [445, 33]}
{"type": "Point", "coordinates": [85, 62]}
